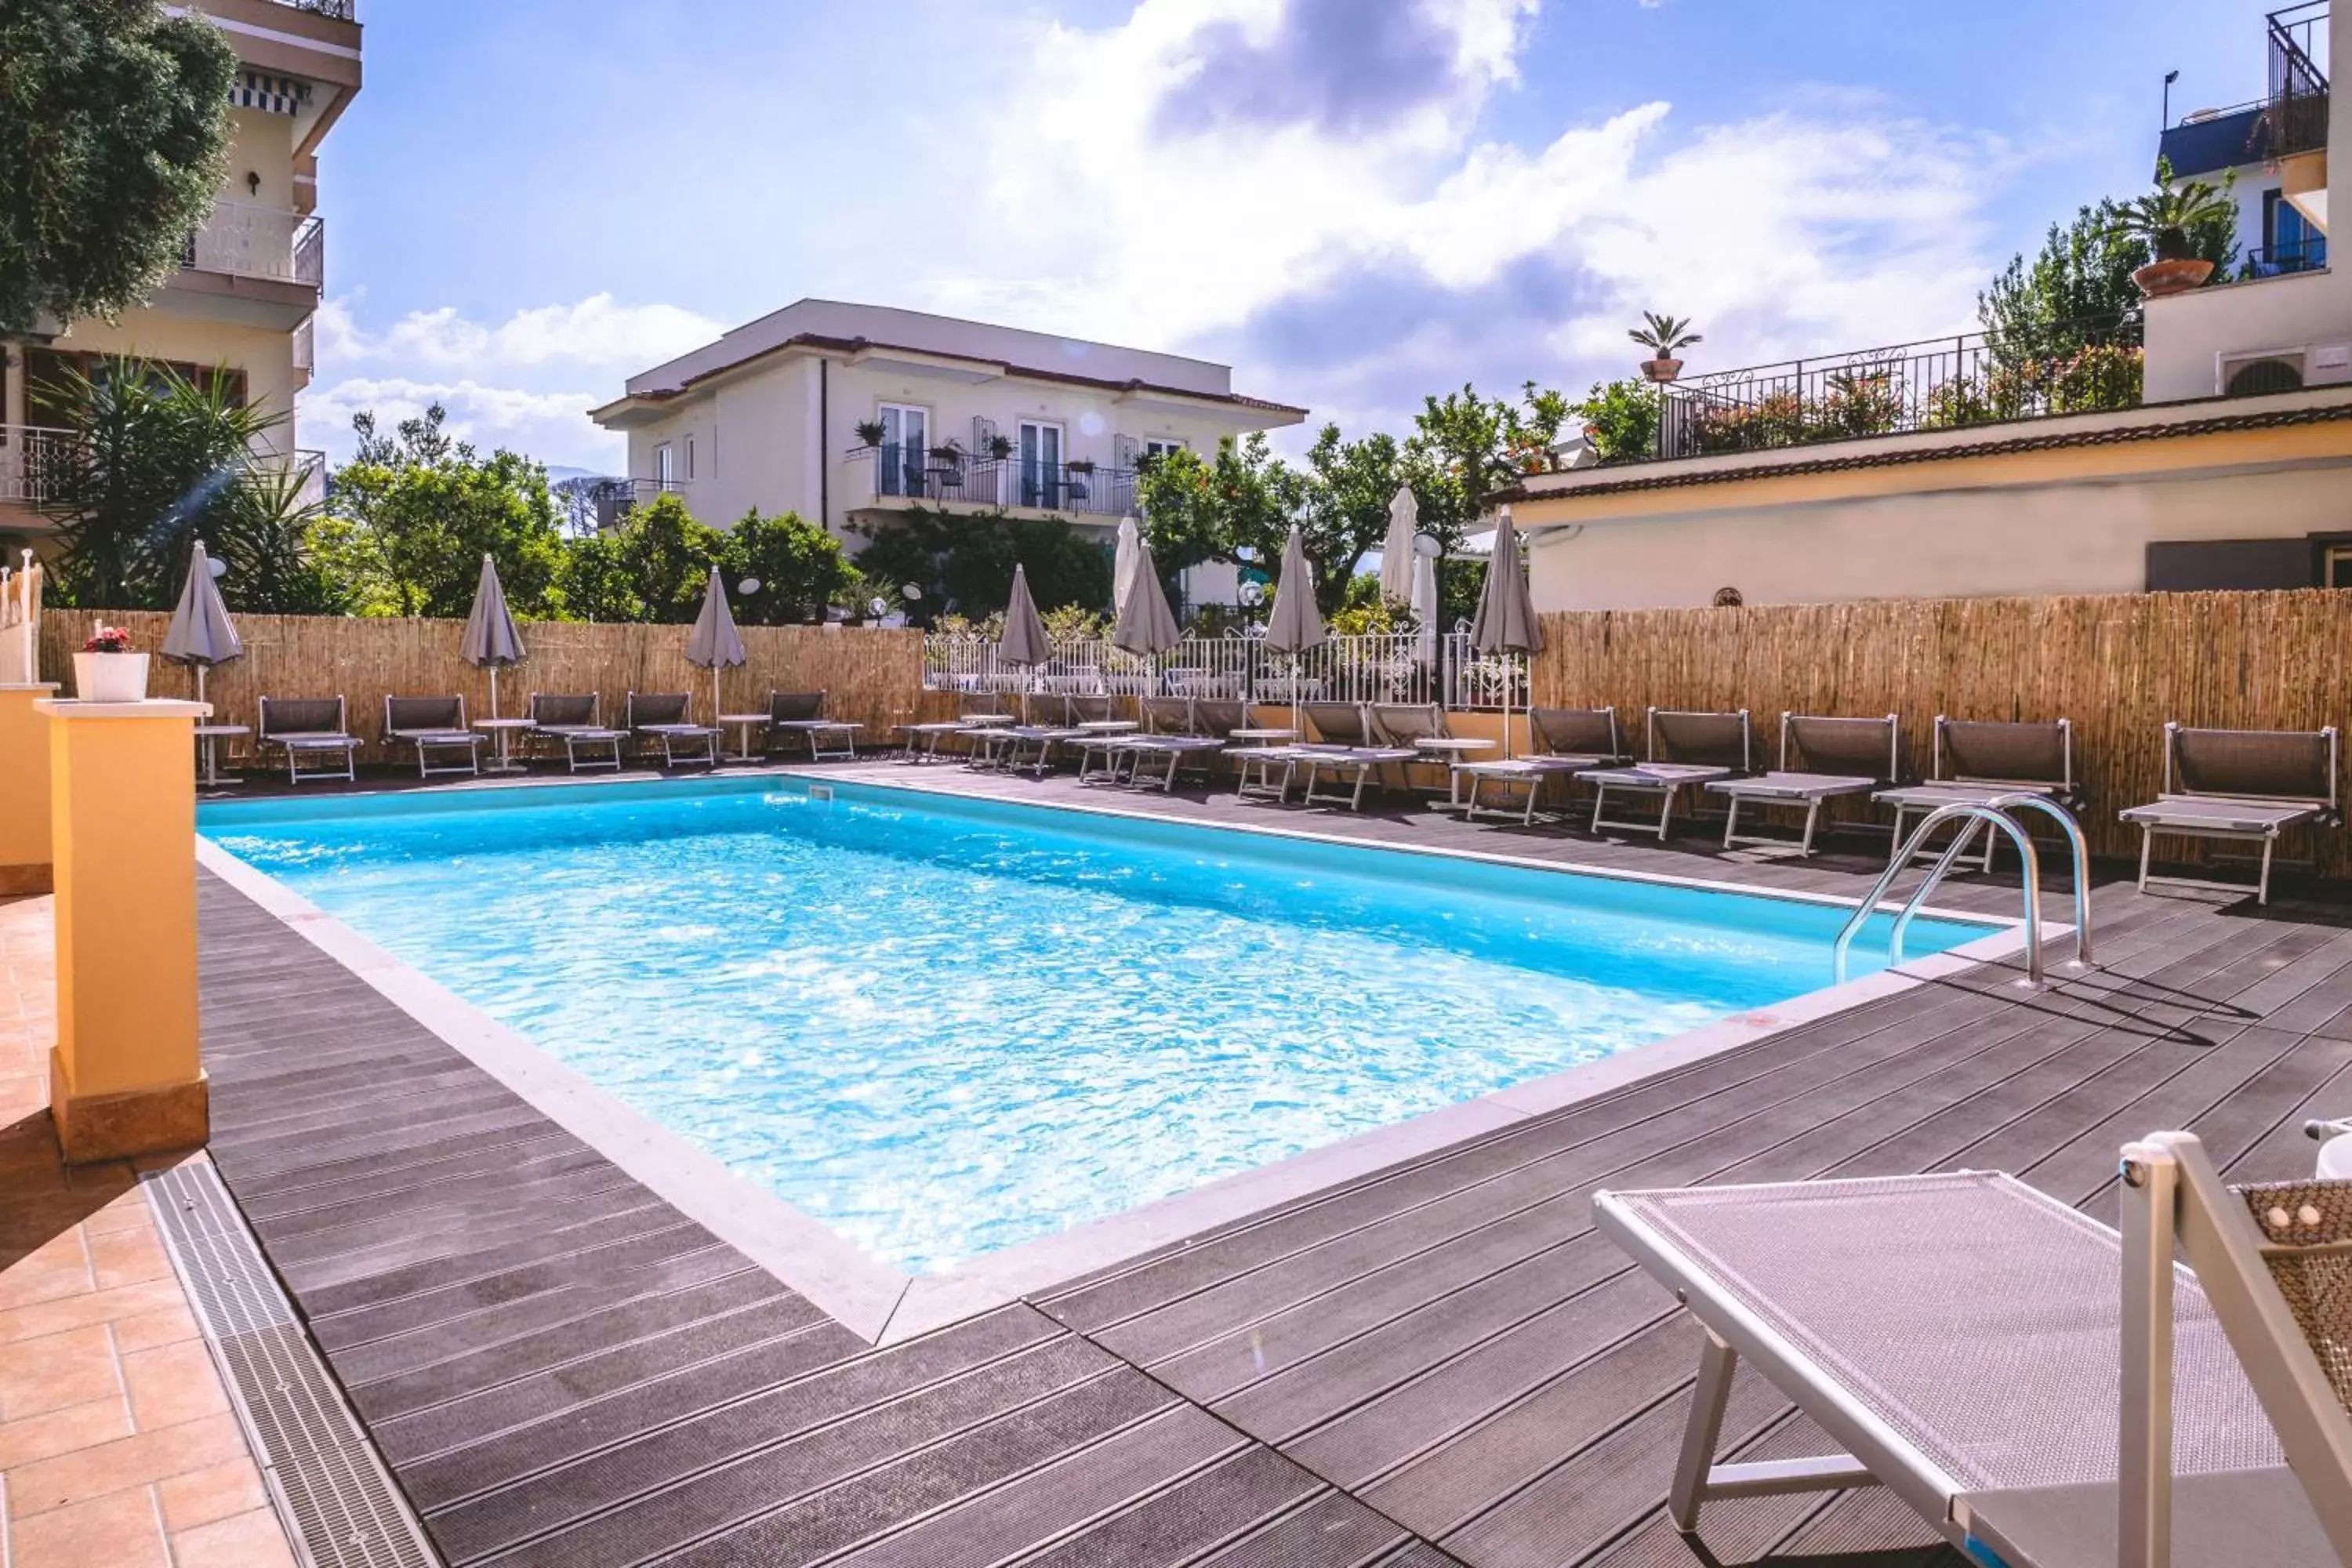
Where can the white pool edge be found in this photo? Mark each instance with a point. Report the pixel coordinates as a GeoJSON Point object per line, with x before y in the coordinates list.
{"type": "Point", "coordinates": [883, 1305]}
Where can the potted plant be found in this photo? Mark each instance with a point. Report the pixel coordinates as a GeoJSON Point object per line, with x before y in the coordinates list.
{"type": "Point", "coordinates": [2167, 218]}
{"type": "Point", "coordinates": [1080, 465]}
{"type": "Point", "coordinates": [871, 433]}
{"type": "Point", "coordinates": [1001, 447]}
{"type": "Point", "coordinates": [106, 670]}
{"type": "Point", "coordinates": [1665, 337]}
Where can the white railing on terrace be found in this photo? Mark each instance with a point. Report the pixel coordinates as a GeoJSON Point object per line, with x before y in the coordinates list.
{"type": "Point", "coordinates": [29, 455]}
{"type": "Point", "coordinates": [244, 241]}
{"type": "Point", "coordinates": [1382, 667]}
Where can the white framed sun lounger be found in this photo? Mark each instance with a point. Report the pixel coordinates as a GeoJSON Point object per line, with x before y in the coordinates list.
{"type": "Point", "coordinates": [431, 724]}
{"type": "Point", "coordinates": [1977, 760]}
{"type": "Point", "coordinates": [1353, 765]}
{"type": "Point", "coordinates": [2240, 787]}
{"type": "Point", "coordinates": [1172, 751]}
{"type": "Point", "coordinates": [1525, 773]}
{"type": "Point", "coordinates": [1685, 752]}
{"type": "Point", "coordinates": [303, 727]}
{"type": "Point", "coordinates": [1665, 780]}
{"type": "Point", "coordinates": [1960, 1334]}
{"type": "Point", "coordinates": [1874, 743]}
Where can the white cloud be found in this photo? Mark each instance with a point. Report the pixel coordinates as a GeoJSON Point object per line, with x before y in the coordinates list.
{"type": "Point", "coordinates": [550, 426]}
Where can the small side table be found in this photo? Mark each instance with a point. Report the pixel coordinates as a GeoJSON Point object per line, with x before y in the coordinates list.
{"type": "Point", "coordinates": [208, 740]}
{"type": "Point", "coordinates": [742, 722]}
{"type": "Point", "coordinates": [1450, 750]}
{"type": "Point", "coordinates": [505, 730]}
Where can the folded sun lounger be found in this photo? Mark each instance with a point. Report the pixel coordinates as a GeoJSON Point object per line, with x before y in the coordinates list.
{"type": "Point", "coordinates": [1686, 751]}
{"type": "Point", "coordinates": [1979, 760]}
{"type": "Point", "coordinates": [431, 724]}
{"type": "Point", "coordinates": [1961, 1336]}
{"type": "Point", "coordinates": [1821, 759]}
{"type": "Point", "coordinates": [300, 727]}
{"type": "Point", "coordinates": [2239, 786]}
{"type": "Point", "coordinates": [665, 718]}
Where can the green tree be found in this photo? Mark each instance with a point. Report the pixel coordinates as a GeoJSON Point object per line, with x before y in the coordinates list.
{"type": "Point", "coordinates": [115, 134]}
{"type": "Point", "coordinates": [800, 568]}
{"type": "Point", "coordinates": [1621, 420]}
{"type": "Point", "coordinates": [1464, 447]}
{"type": "Point", "coordinates": [964, 562]}
{"type": "Point", "coordinates": [272, 548]}
{"type": "Point", "coordinates": [2077, 291]}
{"type": "Point", "coordinates": [154, 462]}
{"type": "Point", "coordinates": [1349, 487]}
{"type": "Point", "coordinates": [666, 554]}
{"type": "Point", "coordinates": [432, 508]}
{"type": "Point", "coordinates": [1196, 508]}
{"type": "Point", "coordinates": [593, 581]}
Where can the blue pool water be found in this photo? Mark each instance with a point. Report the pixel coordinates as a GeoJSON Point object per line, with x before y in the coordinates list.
{"type": "Point", "coordinates": [945, 1026]}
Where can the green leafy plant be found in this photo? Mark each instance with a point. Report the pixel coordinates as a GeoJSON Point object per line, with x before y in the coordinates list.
{"type": "Point", "coordinates": [870, 433]}
{"type": "Point", "coordinates": [1856, 402]}
{"type": "Point", "coordinates": [1621, 420]}
{"type": "Point", "coordinates": [999, 448]}
{"type": "Point", "coordinates": [1775, 419]}
{"type": "Point", "coordinates": [2169, 217]}
{"type": "Point", "coordinates": [1664, 336]}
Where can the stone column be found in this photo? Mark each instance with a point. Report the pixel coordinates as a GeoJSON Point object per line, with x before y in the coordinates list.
{"type": "Point", "coordinates": [24, 789]}
{"type": "Point", "coordinates": [125, 1078]}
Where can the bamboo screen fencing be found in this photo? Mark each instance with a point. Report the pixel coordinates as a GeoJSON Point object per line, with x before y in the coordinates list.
{"type": "Point", "coordinates": [2118, 666]}
{"type": "Point", "coordinates": [872, 676]}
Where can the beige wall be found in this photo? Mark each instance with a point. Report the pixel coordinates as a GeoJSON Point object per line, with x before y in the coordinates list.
{"type": "Point", "coordinates": [266, 357]}
{"type": "Point", "coordinates": [2057, 538]}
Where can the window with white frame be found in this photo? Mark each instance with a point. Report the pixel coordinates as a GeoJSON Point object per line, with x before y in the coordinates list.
{"type": "Point", "coordinates": [665, 467]}
{"type": "Point", "coordinates": [906, 439]}
{"type": "Point", "coordinates": [1155, 446]}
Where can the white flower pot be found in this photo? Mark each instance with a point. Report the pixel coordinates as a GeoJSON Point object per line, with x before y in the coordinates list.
{"type": "Point", "coordinates": [111, 676]}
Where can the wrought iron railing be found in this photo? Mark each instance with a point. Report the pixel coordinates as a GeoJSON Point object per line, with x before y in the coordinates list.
{"type": "Point", "coordinates": [33, 457]}
{"type": "Point", "coordinates": [2298, 78]}
{"type": "Point", "coordinates": [1939, 384]}
{"type": "Point", "coordinates": [947, 474]}
{"type": "Point", "coordinates": [340, 10]}
{"type": "Point", "coordinates": [2308, 254]}
{"type": "Point", "coordinates": [1385, 666]}
{"type": "Point", "coordinates": [245, 241]}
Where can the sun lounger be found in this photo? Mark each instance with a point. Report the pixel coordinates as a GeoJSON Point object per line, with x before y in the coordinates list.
{"type": "Point", "coordinates": [798, 716]}
{"type": "Point", "coordinates": [569, 719]}
{"type": "Point", "coordinates": [433, 724]}
{"type": "Point", "coordinates": [1959, 1335]}
{"type": "Point", "coordinates": [2241, 786]}
{"type": "Point", "coordinates": [1569, 742]}
{"type": "Point", "coordinates": [1979, 760]}
{"type": "Point", "coordinates": [1352, 768]}
{"type": "Point", "coordinates": [1821, 759]}
{"type": "Point", "coordinates": [664, 719]}
{"type": "Point", "coordinates": [300, 727]}
{"type": "Point", "coordinates": [1686, 751]}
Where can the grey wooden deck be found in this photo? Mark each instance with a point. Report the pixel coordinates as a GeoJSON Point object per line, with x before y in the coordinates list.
{"type": "Point", "coordinates": [1438, 1362]}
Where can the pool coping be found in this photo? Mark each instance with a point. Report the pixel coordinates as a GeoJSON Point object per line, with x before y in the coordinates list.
{"type": "Point", "coordinates": [884, 1305]}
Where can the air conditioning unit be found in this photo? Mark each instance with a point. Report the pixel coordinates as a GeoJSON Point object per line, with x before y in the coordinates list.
{"type": "Point", "coordinates": [2255, 374]}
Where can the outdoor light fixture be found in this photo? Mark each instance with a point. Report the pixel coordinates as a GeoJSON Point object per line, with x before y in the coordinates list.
{"type": "Point", "coordinates": [216, 566]}
{"type": "Point", "coordinates": [1427, 546]}
{"type": "Point", "coordinates": [252, 182]}
{"type": "Point", "coordinates": [877, 606]}
{"type": "Point", "coordinates": [1251, 594]}
{"type": "Point", "coordinates": [748, 587]}
{"type": "Point", "coordinates": [912, 592]}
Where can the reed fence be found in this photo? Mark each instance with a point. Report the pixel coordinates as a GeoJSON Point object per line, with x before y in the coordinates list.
{"type": "Point", "coordinates": [2118, 666]}
{"type": "Point", "coordinates": [872, 676]}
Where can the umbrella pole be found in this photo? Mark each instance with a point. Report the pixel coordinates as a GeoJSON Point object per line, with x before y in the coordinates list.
{"type": "Point", "coordinates": [494, 692]}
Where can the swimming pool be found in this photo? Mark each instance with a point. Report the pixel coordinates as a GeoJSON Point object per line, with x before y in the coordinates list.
{"type": "Point", "coordinates": [943, 1026]}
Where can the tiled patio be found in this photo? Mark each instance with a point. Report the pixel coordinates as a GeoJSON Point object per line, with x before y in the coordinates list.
{"type": "Point", "coordinates": [117, 1445]}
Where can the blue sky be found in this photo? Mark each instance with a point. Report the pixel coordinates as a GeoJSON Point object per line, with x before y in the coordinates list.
{"type": "Point", "coordinates": [1353, 201]}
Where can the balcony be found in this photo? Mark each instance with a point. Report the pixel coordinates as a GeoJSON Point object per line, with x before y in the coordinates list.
{"type": "Point", "coordinates": [948, 475]}
{"type": "Point", "coordinates": [2308, 254]}
{"type": "Point", "coordinates": [337, 10]}
{"type": "Point", "coordinates": [2298, 80]}
{"type": "Point", "coordinates": [30, 456]}
{"type": "Point", "coordinates": [275, 244]}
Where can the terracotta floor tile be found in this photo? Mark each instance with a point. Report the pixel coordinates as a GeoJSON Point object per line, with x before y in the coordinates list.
{"type": "Point", "coordinates": [98, 1307]}
{"type": "Point", "coordinates": [251, 1540]}
{"type": "Point", "coordinates": [119, 1531]}
{"type": "Point", "coordinates": [53, 1432]}
{"type": "Point", "coordinates": [127, 1257]}
{"type": "Point", "coordinates": [172, 1383]}
{"type": "Point", "coordinates": [166, 1326]}
{"type": "Point", "coordinates": [57, 1370]}
{"type": "Point", "coordinates": [217, 1491]}
{"type": "Point", "coordinates": [138, 1460]}
{"type": "Point", "coordinates": [27, 1283]}
{"type": "Point", "coordinates": [128, 1212]}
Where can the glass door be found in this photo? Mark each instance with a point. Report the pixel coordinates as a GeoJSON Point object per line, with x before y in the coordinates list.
{"type": "Point", "coordinates": [905, 444]}
{"type": "Point", "coordinates": [1041, 464]}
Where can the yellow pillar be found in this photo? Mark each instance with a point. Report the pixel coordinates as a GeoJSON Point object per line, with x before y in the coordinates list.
{"type": "Point", "coordinates": [24, 790]}
{"type": "Point", "coordinates": [125, 1078]}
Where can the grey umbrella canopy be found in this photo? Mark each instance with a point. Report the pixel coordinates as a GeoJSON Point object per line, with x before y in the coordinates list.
{"type": "Point", "coordinates": [1024, 645]}
{"type": "Point", "coordinates": [1507, 616]}
{"type": "Point", "coordinates": [491, 639]}
{"type": "Point", "coordinates": [1145, 626]}
{"type": "Point", "coordinates": [714, 644]}
{"type": "Point", "coordinates": [200, 634]}
{"type": "Point", "coordinates": [1296, 627]}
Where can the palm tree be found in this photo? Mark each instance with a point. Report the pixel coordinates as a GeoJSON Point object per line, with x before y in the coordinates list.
{"type": "Point", "coordinates": [1665, 336]}
{"type": "Point", "coordinates": [2169, 218]}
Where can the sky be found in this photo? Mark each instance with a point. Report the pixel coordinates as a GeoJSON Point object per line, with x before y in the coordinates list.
{"type": "Point", "coordinates": [1354, 202]}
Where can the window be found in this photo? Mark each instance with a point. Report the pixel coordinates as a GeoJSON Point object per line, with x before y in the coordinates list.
{"type": "Point", "coordinates": [47, 376]}
{"type": "Point", "coordinates": [1160, 446]}
{"type": "Point", "coordinates": [2290, 243]}
{"type": "Point", "coordinates": [906, 439]}
{"type": "Point", "coordinates": [689, 459]}
{"type": "Point", "coordinates": [2335, 566]}
{"type": "Point", "coordinates": [1042, 479]}
{"type": "Point", "coordinates": [665, 473]}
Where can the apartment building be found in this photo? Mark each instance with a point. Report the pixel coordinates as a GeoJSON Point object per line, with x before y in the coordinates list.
{"type": "Point", "coordinates": [242, 302]}
{"type": "Point", "coordinates": [851, 414]}
{"type": "Point", "coordinates": [2208, 446]}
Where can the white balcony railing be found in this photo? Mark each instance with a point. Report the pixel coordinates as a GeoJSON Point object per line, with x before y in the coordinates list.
{"type": "Point", "coordinates": [31, 456]}
{"type": "Point", "coordinates": [1385, 666]}
{"type": "Point", "coordinates": [244, 241]}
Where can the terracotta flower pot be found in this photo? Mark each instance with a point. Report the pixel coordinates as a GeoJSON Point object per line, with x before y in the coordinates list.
{"type": "Point", "coordinates": [2159, 279]}
{"type": "Point", "coordinates": [1661, 370]}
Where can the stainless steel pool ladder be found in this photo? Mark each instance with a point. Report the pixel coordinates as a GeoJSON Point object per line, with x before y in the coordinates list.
{"type": "Point", "coordinates": [1995, 815]}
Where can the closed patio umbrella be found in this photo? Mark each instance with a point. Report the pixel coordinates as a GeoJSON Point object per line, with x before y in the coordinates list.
{"type": "Point", "coordinates": [491, 639]}
{"type": "Point", "coordinates": [1507, 616]}
{"type": "Point", "coordinates": [715, 644]}
{"type": "Point", "coordinates": [1424, 602]}
{"type": "Point", "coordinates": [1131, 545]}
{"type": "Point", "coordinates": [201, 635]}
{"type": "Point", "coordinates": [1145, 626]}
{"type": "Point", "coordinates": [1296, 627]}
{"type": "Point", "coordinates": [1397, 549]}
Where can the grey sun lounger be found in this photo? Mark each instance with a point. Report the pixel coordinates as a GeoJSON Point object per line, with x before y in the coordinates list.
{"type": "Point", "coordinates": [1961, 1336]}
{"type": "Point", "coordinates": [300, 727]}
{"type": "Point", "coordinates": [798, 716]}
{"type": "Point", "coordinates": [2241, 786]}
{"type": "Point", "coordinates": [569, 719]}
{"type": "Point", "coordinates": [1686, 751]}
{"type": "Point", "coordinates": [1175, 736]}
{"type": "Point", "coordinates": [1821, 759]}
{"type": "Point", "coordinates": [1980, 760]}
{"type": "Point", "coordinates": [665, 720]}
{"type": "Point", "coordinates": [430, 725]}
{"type": "Point", "coordinates": [1569, 742]}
